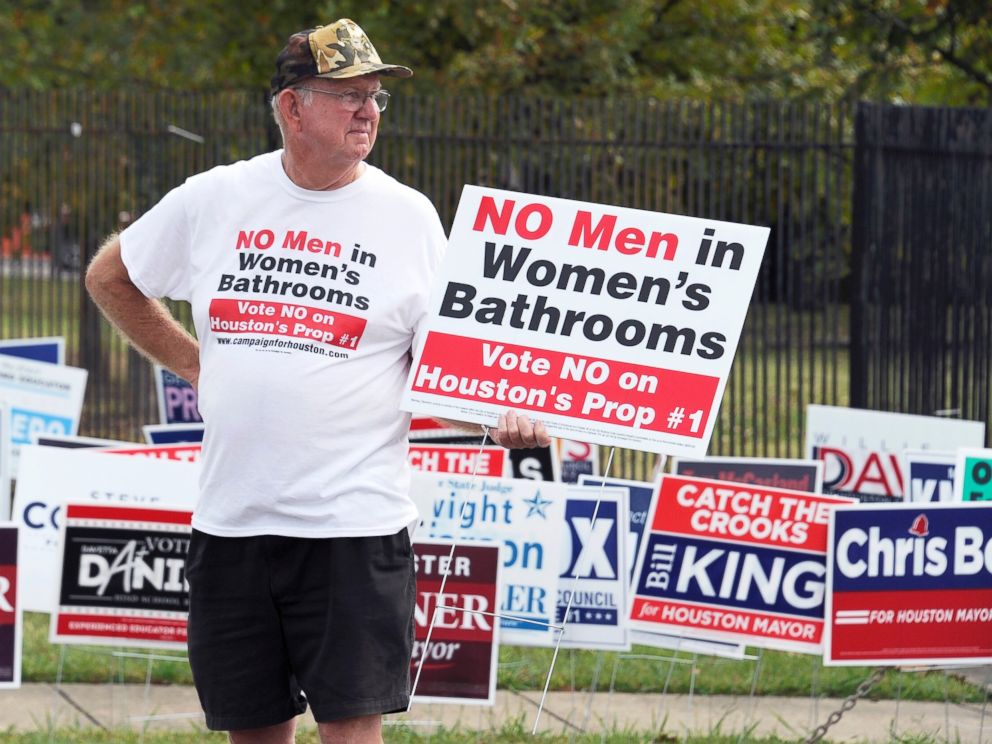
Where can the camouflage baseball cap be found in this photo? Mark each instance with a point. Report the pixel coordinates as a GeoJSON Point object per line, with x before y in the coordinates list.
{"type": "Point", "coordinates": [340, 50]}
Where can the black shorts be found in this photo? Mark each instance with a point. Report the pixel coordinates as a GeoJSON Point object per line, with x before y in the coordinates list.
{"type": "Point", "coordinates": [279, 622]}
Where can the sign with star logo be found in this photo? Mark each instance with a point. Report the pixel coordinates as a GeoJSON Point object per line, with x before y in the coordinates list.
{"type": "Point", "coordinates": [526, 516]}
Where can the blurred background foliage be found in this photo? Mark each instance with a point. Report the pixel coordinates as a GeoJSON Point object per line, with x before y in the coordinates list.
{"type": "Point", "coordinates": [913, 51]}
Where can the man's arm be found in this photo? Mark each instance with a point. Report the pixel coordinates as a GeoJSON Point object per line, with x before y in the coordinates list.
{"type": "Point", "coordinates": [146, 323]}
{"type": "Point", "coordinates": [514, 431]}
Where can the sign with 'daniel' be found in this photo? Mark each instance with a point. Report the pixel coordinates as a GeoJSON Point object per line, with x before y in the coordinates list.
{"type": "Point", "coordinates": [910, 584]}
{"type": "Point", "coordinates": [610, 325]}
{"type": "Point", "coordinates": [123, 579]}
{"type": "Point", "coordinates": [526, 517]}
{"type": "Point", "coordinates": [734, 562]}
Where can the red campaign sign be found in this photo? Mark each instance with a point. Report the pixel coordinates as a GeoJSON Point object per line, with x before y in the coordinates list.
{"type": "Point", "coordinates": [269, 318]}
{"type": "Point", "coordinates": [581, 387]}
{"type": "Point", "coordinates": [128, 514]}
{"type": "Point", "coordinates": [481, 461]}
{"type": "Point", "coordinates": [754, 624]}
{"type": "Point", "coordinates": [735, 562]}
{"type": "Point", "coordinates": [743, 513]}
{"type": "Point", "coordinates": [8, 593]}
{"type": "Point", "coordinates": [459, 663]}
{"type": "Point", "coordinates": [917, 626]}
{"type": "Point", "coordinates": [177, 452]}
{"type": "Point", "coordinates": [122, 627]}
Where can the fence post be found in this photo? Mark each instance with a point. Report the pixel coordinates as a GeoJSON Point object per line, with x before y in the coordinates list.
{"type": "Point", "coordinates": [859, 295]}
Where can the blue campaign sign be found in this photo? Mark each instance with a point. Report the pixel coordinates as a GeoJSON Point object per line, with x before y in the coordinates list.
{"type": "Point", "coordinates": [526, 516]}
{"type": "Point", "coordinates": [638, 506]}
{"type": "Point", "coordinates": [26, 426]}
{"type": "Point", "coordinates": [173, 433]}
{"type": "Point", "coordinates": [910, 583]}
{"type": "Point", "coordinates": [931, 476]}
{"type": "Point", "coordinates": [592, 587]}
{"type": "Point", "coordinates": [50, 349]}
{"type": "Point", "coordinates": [176, 398]}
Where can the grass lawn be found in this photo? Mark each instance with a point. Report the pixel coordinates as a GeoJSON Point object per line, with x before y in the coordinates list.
{"type": "Point", "coordinates": [780, 673]}
{"type": "Point", "coordinates": [509, 734]}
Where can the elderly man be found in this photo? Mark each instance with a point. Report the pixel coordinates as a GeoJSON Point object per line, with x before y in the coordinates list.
{"type": "Point", "coordinates": [308, 271]}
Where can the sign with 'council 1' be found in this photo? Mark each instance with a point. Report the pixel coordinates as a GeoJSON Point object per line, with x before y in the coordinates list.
{"type": "Point", "coordinates": [611, 325]}
{"type": "Point", "coordinates": [910, 584]}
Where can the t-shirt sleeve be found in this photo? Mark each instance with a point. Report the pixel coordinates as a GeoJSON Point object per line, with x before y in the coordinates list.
{"type": "Point", "coordinates": [437, 242]}
{"type": "Point", "coordinates": [156, 249]}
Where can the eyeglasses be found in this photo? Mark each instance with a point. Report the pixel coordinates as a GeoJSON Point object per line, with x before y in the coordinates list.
{"type": "Point", "coordinates": [354, 101]}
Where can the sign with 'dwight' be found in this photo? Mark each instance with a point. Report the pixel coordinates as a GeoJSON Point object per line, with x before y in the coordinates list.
{"type": "Point", "coordinates": [526, 517]}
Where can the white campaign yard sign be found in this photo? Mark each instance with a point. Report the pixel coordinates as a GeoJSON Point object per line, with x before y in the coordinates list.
{"type": "Point", "coordinates": [43, 399]}
{"type": "Point", "coordinates": [862, 450]}
{"type": "Point", "coordinates": [527, 516]}
{"type": "Point", "coordinates": [611, 325]}
{"type": "Point", "coordinates": [52, 476]}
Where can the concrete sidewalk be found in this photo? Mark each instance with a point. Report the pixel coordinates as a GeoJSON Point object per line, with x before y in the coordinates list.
{"type": "Point", "coordinates": [40, 706]}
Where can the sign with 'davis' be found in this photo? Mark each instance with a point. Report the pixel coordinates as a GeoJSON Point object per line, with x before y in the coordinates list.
{"type": "Point", "coordinates": [526, 517]}
{"type": "Point", "coordinates": [862, 450]}
{"type": "Point", "coordinates": [734, 562]}
{"type": "Point", "coordinates": [610, 325]}
{"type": "Point", "coordinates": [910, 584]}
{"type": "Point", "coordinates": [459, 663]}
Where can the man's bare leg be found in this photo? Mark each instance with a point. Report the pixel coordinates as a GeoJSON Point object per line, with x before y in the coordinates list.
{"type": "Point", "coordinates": [281, 733]}
{"type": "Point", "coordinates": [359, 730]}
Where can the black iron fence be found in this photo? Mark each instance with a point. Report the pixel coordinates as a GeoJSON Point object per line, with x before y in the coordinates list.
{"type": "Point", "coordinates": [76, 166]}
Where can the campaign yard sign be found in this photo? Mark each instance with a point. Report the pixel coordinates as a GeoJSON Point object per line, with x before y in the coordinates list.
{"type": "Point", "coordinates": [43, 399]}
{"type": "Point", "coordinates": [459, 459]}
{"type": "Point", "coordinates": [973, 474]}
{"type": "Point", "coordinates": [639, 496]}
{"type": "Point", "coordinates": [123, 577]}
{"type": "Point", "coordinates": [51, 476]}
{"type": "Point", "coordinates": [793, 474]}
{"type": "Point", "coordinates": [459, 663]}
{"type": "Point", "coordinates": [536, 463]}
{"type": "Point", "coordinates": [526, 517]}
{"type": "Point", "coordinates": [187, 452]}
{"type": "Point", "coordinates": [176, 398]}
{"type": "Point", "coordinates": [861, 450]}
{"type": "Point", "coordinates": [734, 562]}
{"type": "Point", "coordinates": [172, 433]}
{"type": "Point", "coordinates": [577, 459]}
{"type": "Point", "coordinates": [929, 476]}
{"type": "Point", "coordinates": [10, 609]}
{"type": "Point", "coordinates": [910, 584]}
{"type": "Point", "coordinates": [47, 349]}
{"type": "Point", "coordinates": [610, 325]}
{"type": "Point", "coordinates": [4, 461]}
{"type": "Point", "coordinates": [592, 587]}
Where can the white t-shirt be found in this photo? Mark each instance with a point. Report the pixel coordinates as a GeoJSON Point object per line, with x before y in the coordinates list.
{"type": "Point", "coordinates": [306, 304]}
